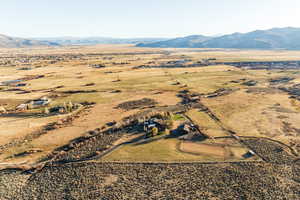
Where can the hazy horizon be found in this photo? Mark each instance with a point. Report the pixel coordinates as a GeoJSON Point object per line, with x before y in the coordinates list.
{"type": "Point", "coordinates": [140, 19]}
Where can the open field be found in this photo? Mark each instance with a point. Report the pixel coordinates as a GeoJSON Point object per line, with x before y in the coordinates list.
{"type": "Point", "coordinates": [258, 114]}
{"type": "Point", "coordinates": [218, 151]}
{"type": "Point", "coordinates": [207, 125]}
{"type": "Point", "coordinates": [91, 128]}
{"type": "Point", "coordinates": [171, 149]}
{"type": "Point", "coordinates": [161, 150]}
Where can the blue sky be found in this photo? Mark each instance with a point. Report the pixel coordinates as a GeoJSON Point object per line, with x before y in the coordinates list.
{"type": "Point", "coordinates": [143, 18]}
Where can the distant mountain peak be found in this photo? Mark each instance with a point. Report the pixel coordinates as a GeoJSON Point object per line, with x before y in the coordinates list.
{"type": "Point", "coordinates": [180, 42]}
{"type": "Point", "coordinates": [275, 38]}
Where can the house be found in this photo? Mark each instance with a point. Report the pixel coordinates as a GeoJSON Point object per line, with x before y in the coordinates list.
{"type": "Point", "coordinates": [97, 66]}
{"type": "Point", "coordinates": [151, 125]}
{"type": "Point", "coordinates": [189, 131]}
{"type": "Point", "coordinates": [22, 106]}
{"type": "Point", "coordinates": [41, 102]}
{"type": "Point", "coordinates": [34, 103]}
{"type": "Point", "coordinates": [21, 84]}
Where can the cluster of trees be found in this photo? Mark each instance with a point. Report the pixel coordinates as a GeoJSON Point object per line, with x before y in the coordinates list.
{"type": "Point", "coordinates": [65, 108]}
{"type": "Point", "coordinates": [161, 127]}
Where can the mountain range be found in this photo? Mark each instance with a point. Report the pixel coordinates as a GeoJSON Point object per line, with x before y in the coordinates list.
{"type": "Point", "coordinates": [15, 42]}
{"type": "Point", "coordinates": [275, 38]}
{"type": "Point", "coordinates": [182, 42]}
{"type": "Point", "coordinates": [98, 40]}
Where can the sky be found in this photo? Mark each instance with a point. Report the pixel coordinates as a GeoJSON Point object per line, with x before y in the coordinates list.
{"type": "Point", "coordinates": [143, 18]}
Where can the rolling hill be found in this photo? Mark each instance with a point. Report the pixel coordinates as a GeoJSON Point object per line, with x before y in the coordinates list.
{"type": "Point", "coordinates": [276, 38]}
{"type": "Point", "coordinates": [14, 42]}
{"type": "Point", "coordinates": [182, 42]}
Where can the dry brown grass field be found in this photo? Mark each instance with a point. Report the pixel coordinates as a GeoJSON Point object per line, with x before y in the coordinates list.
{"type": "Point", "coordinates": [229, 130]}
{"type": "Point", "coordinates": [262, 110]}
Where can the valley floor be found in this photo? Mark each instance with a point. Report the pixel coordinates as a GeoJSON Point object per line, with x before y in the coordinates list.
{"type": "Point", "coordinates": [87, 142]}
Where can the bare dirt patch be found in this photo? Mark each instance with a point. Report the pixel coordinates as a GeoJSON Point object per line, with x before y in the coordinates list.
{"type": "Point", "coordinates": [206, 149]}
